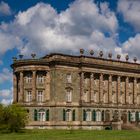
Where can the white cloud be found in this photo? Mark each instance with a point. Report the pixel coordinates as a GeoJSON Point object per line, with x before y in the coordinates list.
{"type": "Point", "coordinates": [8, 41]}
{"type": "Point", "coordinates": [130, 10]}
{"type": "Point", "coordinates": [6, 96]}
{"type": "Point", "coordinates": [5, 9]}
{"type": "Point", "coordinates": [131, 46]}
{"type": "Point", "coordinates": [6, 101]}
{"type": "Point", "coordinates": [42, 30]}
{"type": "Point", "coordinates": [6, 93]}
{"type": "Point", "coordinates": [5, 75]}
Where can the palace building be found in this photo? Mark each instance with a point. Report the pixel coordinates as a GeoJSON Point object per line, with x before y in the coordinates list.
{"type": "Point", "coordinates": [63, 91]}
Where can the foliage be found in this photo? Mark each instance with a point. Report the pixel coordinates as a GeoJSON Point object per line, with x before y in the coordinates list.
{"type": "Point", "coordinates": [12, 118]}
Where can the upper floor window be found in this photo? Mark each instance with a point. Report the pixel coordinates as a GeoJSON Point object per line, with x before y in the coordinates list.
{"type": "Point", "coordinates": [29, 96]}
{"type": "Point", "coordinates": [85, 96]}
{"type": "Point", "coordinates": [28, 78]}
{"type": "Point", "coordinates": [69, 95]}
{"type": "Point", "coordinates": [40, 79]}
{"type": "Point", "coordinates": [40, 96]}
{"type": "Point", "coordinates": [68, 78]}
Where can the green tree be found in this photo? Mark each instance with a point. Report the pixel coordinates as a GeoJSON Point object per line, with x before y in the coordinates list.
{"type": "Point", "coordinates": [13, 117]}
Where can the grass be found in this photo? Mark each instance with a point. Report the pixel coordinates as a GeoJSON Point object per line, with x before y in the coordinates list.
{"type": "Point", "coordinates": [74, 135]}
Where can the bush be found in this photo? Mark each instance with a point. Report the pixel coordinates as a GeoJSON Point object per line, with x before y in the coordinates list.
{"type": "Point", "coordinates": [12, 118]}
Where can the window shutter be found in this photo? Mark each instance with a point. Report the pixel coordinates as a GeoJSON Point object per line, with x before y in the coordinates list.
{"type": "Point", "coordinates": [103, 115]}
{"type": "Point", "coordinates": [93, 115]}
{"type": "Point", "coordinates": [137, 116]}
{"type": "Point", "coordinates": [47, 115]}
{"type": "Point", "coordinates": [35, 115]}
{"type": "Point", "coordinates": [64, 115]}
{"type": "Point", "coordinates": [84, 115]}
{"type": "Point", "coordinates": [73, 115]}
{"type": "Point", "coordinates": [129, 116]}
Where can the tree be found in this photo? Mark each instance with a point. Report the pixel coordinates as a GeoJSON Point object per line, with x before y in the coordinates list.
{"type": "Point", "coordinates": [13, 117]}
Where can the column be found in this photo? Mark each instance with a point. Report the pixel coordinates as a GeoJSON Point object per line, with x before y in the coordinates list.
{"type": "Point", "coordinates": [14, 88]}
{"type": "Point", "coordinates": [81, 86]}
{"type": "Point", "coordinates": [34, 86]}
{"type": "Point", "coordinates": [21, 96]}
{"type": "Point", "coordinates": [135, 91]}
{"type": "Point", "coordinates": [126, 90]}
{"type": "Point", "coordinates": [91, 86]}
{"type": "Point", "coordinates": [47, 88]}
{"type": "Point", "coordinates": [118, 94]}
{"type": "Point", "coordinates": [110, 89]}
{"type": "Point", "coordinates": [101, 88]}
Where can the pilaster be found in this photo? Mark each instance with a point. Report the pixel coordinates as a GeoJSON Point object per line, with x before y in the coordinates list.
{"type": "Point", "coordinates": [15, 88]}
{"type": "Point", "coordinates": [21, 96]}
{"type": "Point", "coordinates": [101, 88]}
{"type": "Point", "coordinates": [118, 94]}
{"type": "Point", "coordinates": [34, 86]}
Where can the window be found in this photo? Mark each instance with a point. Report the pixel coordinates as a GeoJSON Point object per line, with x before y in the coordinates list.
{"type": "Point", "coordinates": [95, 96]}
{"type": "Point", "coordinates": [86, 96]}
{"type": "Point", "coordinates": [41, 115]}
{"type": "Point", "coordinates": [98, 116]}
{"type": "Point", "coordinates": [69, 95]}
{"type": "Point", "coordinates": [40, 96]}
{"type": "Point", "coordinates": [69, 78]}
{"type": "Point", "coordinates": [113, 97]}
{"type": "Point", "coordinates": [121, 98]}
{"type": "Point", "coordinates": [87, 115]}
{"type": "Point", "coordinates": [68, 115]}
{"type": "Point", "coordinates": [29, 96]}
{"type": "Point", "coordinates": [86, 81]}
{"type": "Point", "coordinates": [133, 116]}
{"type": "Point", "coordinates": [129, 98]}
{"type": "Point", "coordinates": [104, 97]}
{"type": "Point", "coordinates": [28, 78]}
{"type": "Point", "coordinates": [40, 78]}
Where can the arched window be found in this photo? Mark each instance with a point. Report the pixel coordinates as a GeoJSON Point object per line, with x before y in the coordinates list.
{"type": "Point", "coordinates": [98, 115]}
{"type": "Point", "coordinates": [87, 115]}
{"type": "Point", "coordinates": [68, 115]}
{"type": "Point", "coordinates": [41, 115]}
{"type": "Point", "coordinates": [133, 117]}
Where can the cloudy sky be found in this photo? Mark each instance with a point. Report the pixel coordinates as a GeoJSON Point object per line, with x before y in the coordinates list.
{"type": "Point", "coordinates": [41, 27]}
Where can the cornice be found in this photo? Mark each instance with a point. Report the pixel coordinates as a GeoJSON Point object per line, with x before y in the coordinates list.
{"type": "Point", "coordinates": [80, 61]}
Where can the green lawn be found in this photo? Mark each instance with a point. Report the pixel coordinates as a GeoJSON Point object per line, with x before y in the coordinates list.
{"type": "Point", "coordinates": [75, 135]}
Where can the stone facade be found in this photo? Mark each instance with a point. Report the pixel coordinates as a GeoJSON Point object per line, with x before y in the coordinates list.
{"type": "Point", "coordinates": [65, 91]}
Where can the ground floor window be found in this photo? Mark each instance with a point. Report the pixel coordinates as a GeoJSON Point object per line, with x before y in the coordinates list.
{"type": "Point", "coordinates": [41, 115]}
{"type": "Point", "coordinates": [98, 116]}
{"type": "Point", "coordinates": [68, 115]}
{"type": "Point", "coordinates": [87, 115]}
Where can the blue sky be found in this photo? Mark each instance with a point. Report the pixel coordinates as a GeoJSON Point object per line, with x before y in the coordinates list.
{"type": "Point", "coordinates": [28, 26]}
